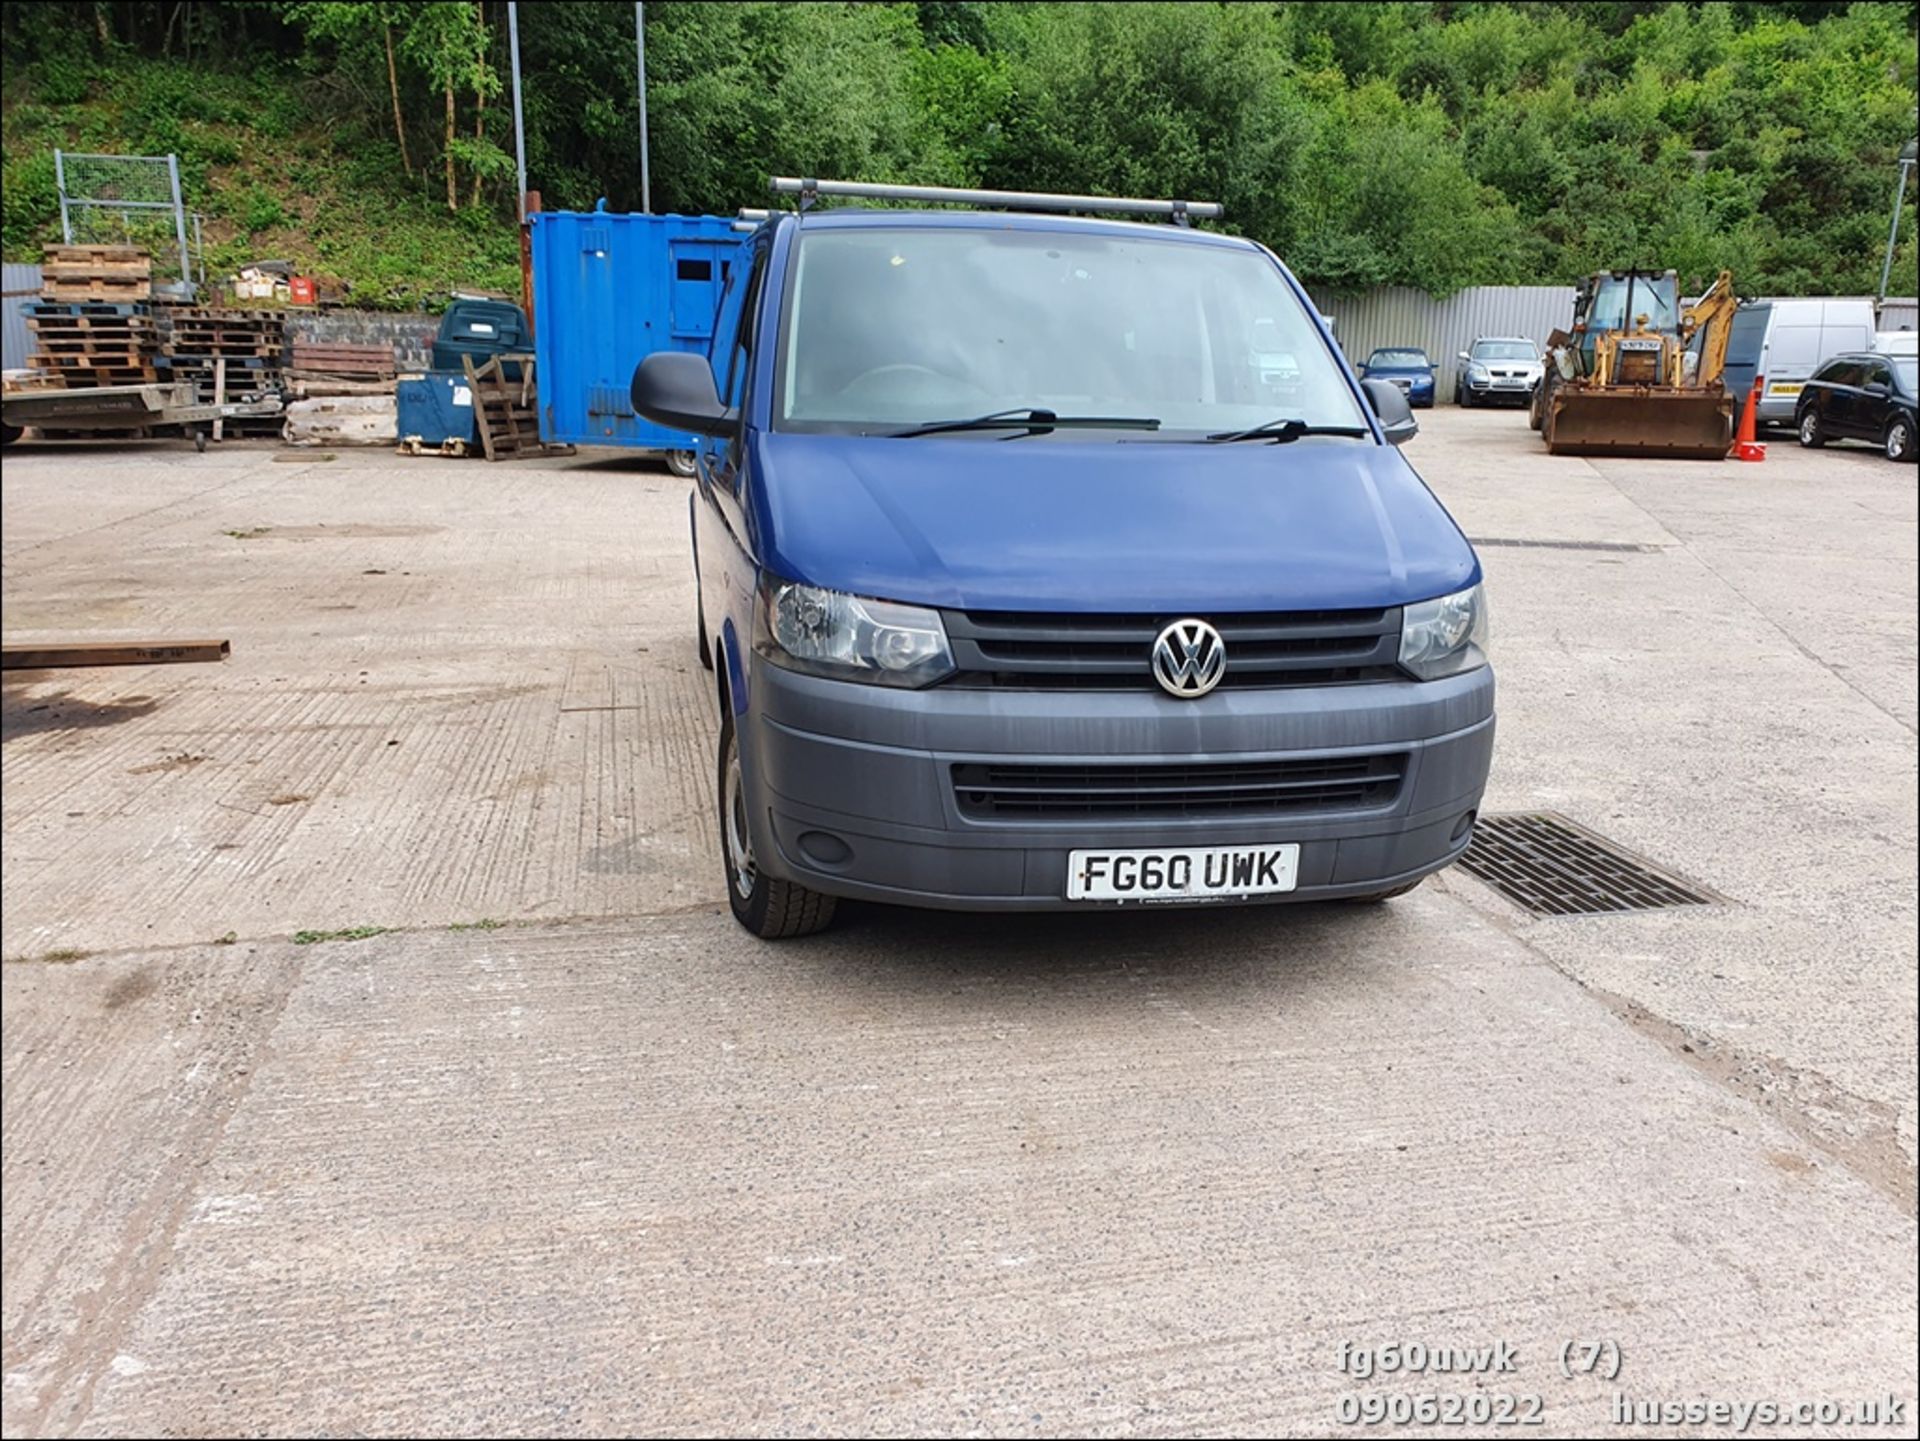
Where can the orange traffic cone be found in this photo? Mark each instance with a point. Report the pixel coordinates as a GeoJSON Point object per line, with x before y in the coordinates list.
{"type": "Point", "coordinates": [1745, 447]}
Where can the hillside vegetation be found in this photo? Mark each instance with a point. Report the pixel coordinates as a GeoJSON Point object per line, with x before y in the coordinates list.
{"type": "Point", "coordinates": [1427, 144]}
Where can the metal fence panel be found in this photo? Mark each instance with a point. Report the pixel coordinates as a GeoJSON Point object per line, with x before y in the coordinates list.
{"type": "Point", "coordinates": [1395, 315]}
{"type": "Point", "coordinates": [21, 284]}
{"type": "Point", "coordinates": [126, 200]}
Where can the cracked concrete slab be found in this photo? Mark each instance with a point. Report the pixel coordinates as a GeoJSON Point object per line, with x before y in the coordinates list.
{"type": "Point", "coordinates": [607, 1164]}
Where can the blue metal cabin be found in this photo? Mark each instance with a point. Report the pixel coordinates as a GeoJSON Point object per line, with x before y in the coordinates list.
{"type": "Point", "coordinates": [609, 290]}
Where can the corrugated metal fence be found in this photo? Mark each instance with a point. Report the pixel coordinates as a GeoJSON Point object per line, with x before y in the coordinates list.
{"type": "Point", "coordinates": [1395, 315]}
{"type": "Point", "coordinates": [22, 286]}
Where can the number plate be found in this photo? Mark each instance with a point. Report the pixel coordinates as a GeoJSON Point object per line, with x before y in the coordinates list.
{"type": "Point", "coordinates": [1203, 873]}
{"type": "Point", "coordinates": [1784, 389]}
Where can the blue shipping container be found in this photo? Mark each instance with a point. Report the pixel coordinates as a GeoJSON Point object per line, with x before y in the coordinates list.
{"type": "Point", "coordinates": [608, 291]}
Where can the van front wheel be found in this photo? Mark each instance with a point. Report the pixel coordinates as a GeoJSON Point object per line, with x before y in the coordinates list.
{"type": "Point", "coordinates": [772, 910]}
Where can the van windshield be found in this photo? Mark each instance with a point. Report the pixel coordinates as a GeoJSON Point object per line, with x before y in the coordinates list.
{"type": "Point", "coordinates": [1505, 350]}
{"type": "Point", "coordinates": [906, 326]}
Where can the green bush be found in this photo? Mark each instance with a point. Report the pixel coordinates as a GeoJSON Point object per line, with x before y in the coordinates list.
{"type": "Point", "coordinates": [261, 212]}
{"type": "Point", "coordinates": [29, 204]}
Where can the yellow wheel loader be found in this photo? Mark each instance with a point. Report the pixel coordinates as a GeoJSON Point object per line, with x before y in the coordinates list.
{"type": "Point", "coordinates": [1638, 374]}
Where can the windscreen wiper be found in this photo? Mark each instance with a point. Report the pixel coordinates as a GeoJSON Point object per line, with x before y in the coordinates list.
{"type": "Point", "coordinates": [1282, 431]}
{"type": "Point", "coordinates": [1033, 419]}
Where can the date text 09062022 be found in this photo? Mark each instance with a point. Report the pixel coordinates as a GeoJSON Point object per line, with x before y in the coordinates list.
{"type": "Point", "coordinates": [1477, 1408]}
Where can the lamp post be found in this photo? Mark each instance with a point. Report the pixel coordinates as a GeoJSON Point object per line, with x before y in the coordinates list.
{"type": "Point", "coordinates": [640, 64]}
{"type": "Point", "coordinates": [1908, 152]}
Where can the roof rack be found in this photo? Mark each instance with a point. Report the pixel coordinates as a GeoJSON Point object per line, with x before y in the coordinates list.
{"type": "Point", "coordinates": [1183, 212]}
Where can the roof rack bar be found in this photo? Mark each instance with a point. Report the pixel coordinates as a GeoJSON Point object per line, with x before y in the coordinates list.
{"type": "Point", "coordinates": [1179, 210]}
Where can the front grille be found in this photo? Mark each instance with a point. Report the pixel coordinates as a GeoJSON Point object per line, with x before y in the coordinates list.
{"type": "Point", "coordinates": [1114, 652]}
{"type": "Point", "coordinates": [1638, 367]}
{"type": "Point", "coordinates": [990, 791]}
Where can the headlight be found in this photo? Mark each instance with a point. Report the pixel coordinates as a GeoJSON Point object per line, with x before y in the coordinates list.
{"type": "Point", "coordinates": [1446, 636]}
{"type": "Point", "coordinates": [1476, 372]}
{"type": "Point", "coordinates": [824, 632]}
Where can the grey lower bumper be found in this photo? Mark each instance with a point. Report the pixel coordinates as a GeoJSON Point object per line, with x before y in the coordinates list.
{"type": "Point", "coordinates": [1520, 394]}
{"type": "Point", "coordinates": [850, 786]}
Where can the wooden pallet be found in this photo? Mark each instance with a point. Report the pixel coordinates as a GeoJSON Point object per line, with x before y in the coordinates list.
{"type": "Point", "coordinates": [88, 309]}
{"type": "Point", "coordinates": [121, 356]}
{"type": "Point", "coordinates": [96, 255]}
{"type": "Point", "coordinates": [99, 343]}
{"type": "Point", "coordinates": [506, 413]}
{"type": "Point", "coordinates": [95, 289]}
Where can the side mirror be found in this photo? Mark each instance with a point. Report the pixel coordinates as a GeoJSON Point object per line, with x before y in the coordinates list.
{"type": "Point", "coordinates": [1466, 357]}
{"type": "Point", "coordinates": [1389, 402]}
{"type": "Point", "coordinates": [675, 389]}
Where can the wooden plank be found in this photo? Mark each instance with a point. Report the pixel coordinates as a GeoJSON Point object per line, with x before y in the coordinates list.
{"type": "Point", "coordinates": [479, 405]}
{"type": "Point", "coordinates": [219, 396]}
{"type": "Point", "coordinates": [66, 655]}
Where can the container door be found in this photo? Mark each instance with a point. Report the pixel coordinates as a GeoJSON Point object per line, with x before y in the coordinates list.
{"type": "Point", "coordinates": [694, 286]}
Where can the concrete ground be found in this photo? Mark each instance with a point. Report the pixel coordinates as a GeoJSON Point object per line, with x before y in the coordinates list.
{"type": "Point", "coordinates": [564, 1151]}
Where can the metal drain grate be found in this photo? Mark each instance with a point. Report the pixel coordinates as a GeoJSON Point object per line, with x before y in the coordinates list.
{"type": "Point", "coordinates": [1555, 867]}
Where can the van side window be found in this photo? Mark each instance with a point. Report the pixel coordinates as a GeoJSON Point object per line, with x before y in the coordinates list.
{"type": "Point", "coordinates": [738, 364]}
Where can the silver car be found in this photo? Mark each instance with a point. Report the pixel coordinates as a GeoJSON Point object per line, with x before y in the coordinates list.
{"type": "Point", "coordinates": [1498, 367]}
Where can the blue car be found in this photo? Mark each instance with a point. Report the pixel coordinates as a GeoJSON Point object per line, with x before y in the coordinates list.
{"type": "Point", "coordinates": [1406, 367]}
{"type": "Point", "coordinates": [1030, 579]}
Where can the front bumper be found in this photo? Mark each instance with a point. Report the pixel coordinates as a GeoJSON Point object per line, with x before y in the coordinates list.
{"type": "Point", "coordinates": [850, 787]}
{"type": "Point", "coordinates": [1519, 391]}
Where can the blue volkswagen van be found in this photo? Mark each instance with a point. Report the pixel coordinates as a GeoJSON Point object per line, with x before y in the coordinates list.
{"type": "Point", "coordinates": [1030, 581]}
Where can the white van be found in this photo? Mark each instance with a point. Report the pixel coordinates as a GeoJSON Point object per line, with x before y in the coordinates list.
{"type": "Point", "coordinates": [1785, 341]}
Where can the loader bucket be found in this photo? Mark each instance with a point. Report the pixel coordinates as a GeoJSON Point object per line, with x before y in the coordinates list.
{"type": "Point", "coordinates": [1685, 424]}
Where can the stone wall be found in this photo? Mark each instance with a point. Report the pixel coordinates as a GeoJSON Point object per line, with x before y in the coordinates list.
{"type": "Point", "coordinates": [410, 335]}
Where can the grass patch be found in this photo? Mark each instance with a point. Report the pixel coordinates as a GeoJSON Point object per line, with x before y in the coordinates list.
{"type": "Point", "coordinates": [66, 953]}
{"type": "Point", "coordinates": [254, 534]}
{"type": "Point", "coordinates": [351, 933]}
{"type": "Point", "coordinates": [228, 939]}
{"type": "Point", "coordinates": [483, 924]}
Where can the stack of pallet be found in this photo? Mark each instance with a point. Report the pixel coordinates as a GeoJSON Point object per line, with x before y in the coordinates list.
{"type": "Point", "coordinates": [116, 274]}
{"type": "Point", "coordinates": [86, 344]}
{"type": "Point", "coordinates": [228, 355]}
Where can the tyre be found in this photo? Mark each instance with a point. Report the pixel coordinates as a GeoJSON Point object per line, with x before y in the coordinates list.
{"type": "Point", "coordinates": [1537, 408]}
{"type": "Point", "coordinates": [1813, 435]}
{"type": "Point", "coordinates": [1373, 898]}
{"type": "Point", "coordinates": [1463, 397]}
{"type": "Point", "coordinates": [9, 433]}
{"type": "Point", "coordinates": [1899, 439]}
{"type": "Point", "coordinates": [680, 462]}
{"type": "Point", "coordinates": [772, 910]}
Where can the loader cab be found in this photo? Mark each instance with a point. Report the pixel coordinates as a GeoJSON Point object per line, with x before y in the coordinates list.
{"type": "Point", "coordinates": [1614, 300]}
